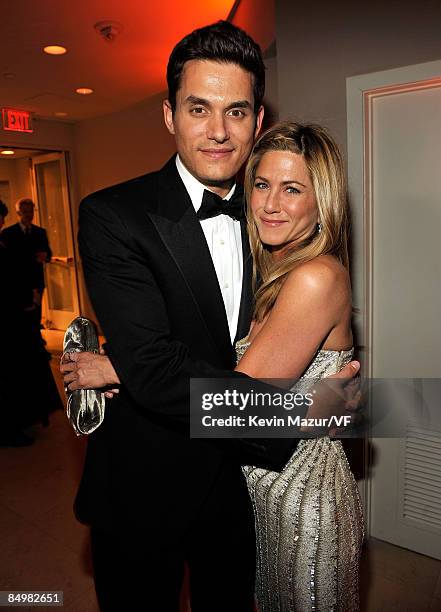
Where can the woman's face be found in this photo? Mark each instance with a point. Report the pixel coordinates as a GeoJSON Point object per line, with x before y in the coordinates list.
{"type": "Point", "coordinates": [283, 201]}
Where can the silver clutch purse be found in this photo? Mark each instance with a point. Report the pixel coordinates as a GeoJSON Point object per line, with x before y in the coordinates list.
{"type": "Point", "coordinates": [85, 407]}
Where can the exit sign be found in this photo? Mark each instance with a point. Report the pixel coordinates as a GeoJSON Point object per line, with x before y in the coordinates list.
{"type": "Point", "coordinates": [15, 120]}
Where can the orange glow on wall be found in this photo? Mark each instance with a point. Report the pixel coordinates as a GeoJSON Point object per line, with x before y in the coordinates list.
{"type": "Point", "coordinates": [170, 24]}
{"type": "Point", "coordinates": [15, 120]}
{"type": "Point", "coordinates": [257, 17]}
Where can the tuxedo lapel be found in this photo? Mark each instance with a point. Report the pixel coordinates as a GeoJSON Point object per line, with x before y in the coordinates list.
{"type": "Point", "coordinates": [181, 232]}
{"type": "Point", "coordinates": [246, 301]}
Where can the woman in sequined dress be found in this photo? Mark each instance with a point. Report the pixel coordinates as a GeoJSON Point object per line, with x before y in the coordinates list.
{"type": "Point", "coordinates": [309, 523]}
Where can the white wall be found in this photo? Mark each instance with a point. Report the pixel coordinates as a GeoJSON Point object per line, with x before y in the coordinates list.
{"type": "Point", "coordinates": [120, 146]}
{"type": "Point", "coordinates": [271, 100]}
{"type": "Point", "coordinates": [321, 43]}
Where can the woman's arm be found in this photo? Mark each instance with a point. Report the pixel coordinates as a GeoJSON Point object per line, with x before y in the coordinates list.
{"type": "Point", "coordinates": [312, 308]}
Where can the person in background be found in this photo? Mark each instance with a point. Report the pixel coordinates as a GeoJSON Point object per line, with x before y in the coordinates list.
{"type": "Point", "coordinates": [28, 244]}
{"type": "Point", "coordinates": [11, 306]}
{"type": "Point", "coordinates": [3, 213]}
{"type": "Point", "coordinates": [22, 283]}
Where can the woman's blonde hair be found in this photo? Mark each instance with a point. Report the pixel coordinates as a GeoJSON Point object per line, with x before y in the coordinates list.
{"type": "Point", "coordinates": [325, 166]}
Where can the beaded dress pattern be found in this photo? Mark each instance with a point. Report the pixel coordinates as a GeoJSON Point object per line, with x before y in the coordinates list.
{"type": "Point", "coordinates": [309, 519]}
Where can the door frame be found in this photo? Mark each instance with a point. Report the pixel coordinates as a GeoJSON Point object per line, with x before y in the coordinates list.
{"type": "Point", "coordinates": [361, 92]}
{"type": "Point", "coordinates": [63, 157]}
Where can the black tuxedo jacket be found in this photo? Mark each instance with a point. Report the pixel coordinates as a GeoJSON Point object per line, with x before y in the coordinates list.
{"type": "Point", "coordinates": [154, 289]}
{"type": "Point", "coordinates": [24, 248]}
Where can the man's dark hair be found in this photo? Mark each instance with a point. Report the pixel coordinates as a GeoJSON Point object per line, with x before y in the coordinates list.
{"type": "Point", "coordinates": [220, 42]}
{"type": "Point", "coordinates": [3, 209]}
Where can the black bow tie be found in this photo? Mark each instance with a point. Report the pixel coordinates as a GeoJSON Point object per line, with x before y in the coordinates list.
{"type": "Point", "coordinates": [213, 205]}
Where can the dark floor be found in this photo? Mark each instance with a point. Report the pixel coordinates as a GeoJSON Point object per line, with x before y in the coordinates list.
{"type": "Point", "coordinates": [43, 547]}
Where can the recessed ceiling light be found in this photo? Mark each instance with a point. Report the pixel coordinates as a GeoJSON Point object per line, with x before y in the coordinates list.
{"type": "Point", "coordinates": [61, 114]}
{"type": "Point", "coordinates": [84, 91]}
{"type": "Point", "coordinates": [7, 152]}
{"type": "Point", "coordinates": [55, 50]}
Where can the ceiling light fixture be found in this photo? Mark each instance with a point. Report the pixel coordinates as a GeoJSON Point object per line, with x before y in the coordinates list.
{"type": "Point", "coordinates": [7, 152]}
{"type": "Point", "coordinates": [61, 114]}
{"type": "Point", "coordinates": [55, 50]}
{"type": "Point", "coordinates": [84, 91]}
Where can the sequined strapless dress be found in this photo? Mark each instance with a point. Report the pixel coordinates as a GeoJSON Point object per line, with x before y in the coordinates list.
{"type": "Point", "coordinates": [309, 520]}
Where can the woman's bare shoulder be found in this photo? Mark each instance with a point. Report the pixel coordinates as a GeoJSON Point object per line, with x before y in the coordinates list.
{"type": "Point", "coordinates": [322, 275]}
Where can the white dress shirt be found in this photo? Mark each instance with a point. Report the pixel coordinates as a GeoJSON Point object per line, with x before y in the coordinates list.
{"type": "Point", "coordinates": [224, 241]}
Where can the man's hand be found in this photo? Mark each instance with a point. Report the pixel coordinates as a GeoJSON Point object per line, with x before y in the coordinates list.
{"type": "Point", "coordinates": [339, 398]}
{"type": "Point", "coordinates": [89, 371]}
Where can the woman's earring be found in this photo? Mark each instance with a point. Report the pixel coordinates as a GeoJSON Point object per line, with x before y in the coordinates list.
{"type": "Point", "coordinates": [319, 228]}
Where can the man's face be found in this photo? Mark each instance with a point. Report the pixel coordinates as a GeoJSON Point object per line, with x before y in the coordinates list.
{"type": "Point", "coordinates": [26, 214]}
{"type": "Point", "coordinates": [214, 123]}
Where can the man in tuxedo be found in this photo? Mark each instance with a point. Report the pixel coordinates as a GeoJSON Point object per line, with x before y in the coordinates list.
{"type": "Point", "coordinates": [168, 271]}
{"type": "Point", "coordinates": [29, 245]}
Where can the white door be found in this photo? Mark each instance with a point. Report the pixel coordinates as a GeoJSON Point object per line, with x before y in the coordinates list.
{"type": "Point", "coordinates": [51, 192]}
{"type": "Point", "coordinates": [398, 204]}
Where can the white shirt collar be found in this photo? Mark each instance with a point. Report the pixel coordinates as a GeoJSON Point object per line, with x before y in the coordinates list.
{"type": "Point", "coordinates": [194, 187]}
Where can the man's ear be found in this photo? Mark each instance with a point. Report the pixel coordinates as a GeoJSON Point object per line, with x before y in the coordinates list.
{"type": "Point", "coordinates": [168, 116]}
{"type": "Point", "coordinates": [259, 120]}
